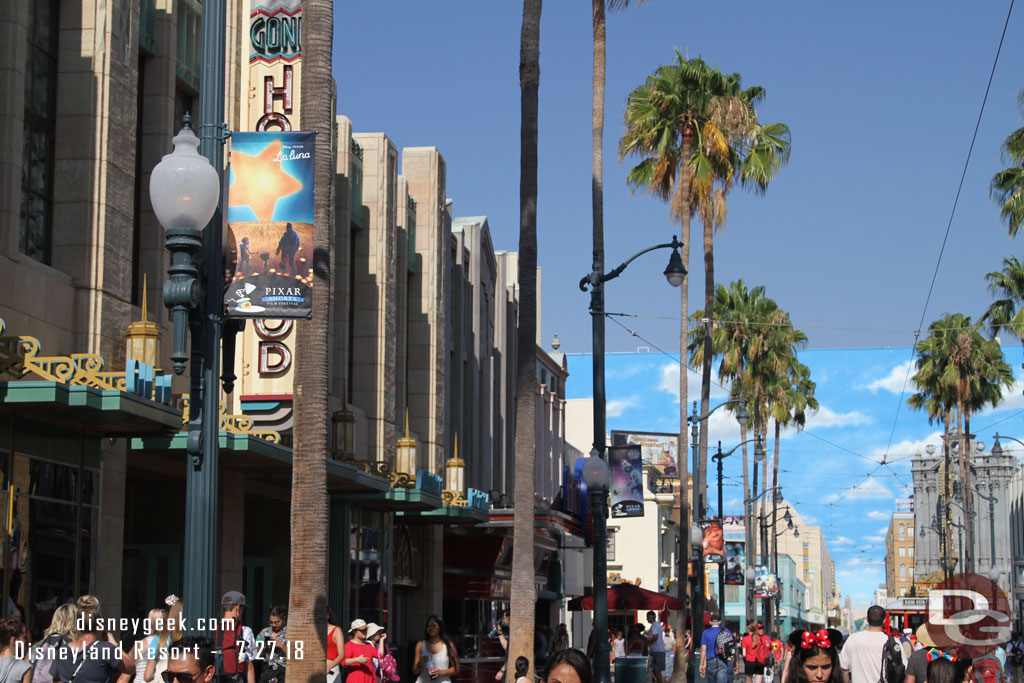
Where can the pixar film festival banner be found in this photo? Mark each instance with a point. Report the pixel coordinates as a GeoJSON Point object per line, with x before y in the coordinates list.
{"type": "Point", "coordinates": [270, 225]}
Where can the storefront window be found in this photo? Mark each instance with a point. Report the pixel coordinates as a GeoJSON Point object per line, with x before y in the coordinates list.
{"type": "Point", "coordinates": [368, 599]}
{"type": "Point", "coordinates": [52, 549]}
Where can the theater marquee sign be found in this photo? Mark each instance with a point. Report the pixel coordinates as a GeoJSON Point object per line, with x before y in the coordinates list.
{"type": "Point", "coordinates": [275, 64]}
{"type": "Point", "coordinates": [272, 92]}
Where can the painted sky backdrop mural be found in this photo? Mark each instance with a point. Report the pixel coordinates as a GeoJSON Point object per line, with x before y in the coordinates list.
{"type": "Point", "coordinates": [832, 472]}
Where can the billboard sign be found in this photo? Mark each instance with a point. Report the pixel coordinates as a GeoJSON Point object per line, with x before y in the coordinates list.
{"type": "Point", "coordinates": [659, 450]}
{"type": "Point", "coordinates": [735, 563]}
{"type": "Point", "coordinates": [627, 481]}
{"type": "Point", "coordinates": [766, 584]}
{"type": "Point", "coordinates": [714, 541]}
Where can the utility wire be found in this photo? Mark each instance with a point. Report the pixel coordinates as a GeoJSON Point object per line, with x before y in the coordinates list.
{"type": "Point", "coordinates": [699, 323]}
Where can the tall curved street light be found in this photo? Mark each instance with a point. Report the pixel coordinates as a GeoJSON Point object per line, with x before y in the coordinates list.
{"type": "Point", "coordinates": [718, 458]}
{"type": "Point", "coordinates": [697, 423]}
{"type": "Point", "coordinates": [675, 273]}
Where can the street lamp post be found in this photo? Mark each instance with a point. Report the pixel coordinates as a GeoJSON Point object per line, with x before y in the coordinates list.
{"type": "Point", "coordinates": [972, 515]}
{"type": "Point", "coordinates": [718, 458]}
{"type": "Point", "coordinates": [762, 529]}
{"type": "Point", "coordinates": [697, 423]}
{"type": "Point", "coordinates": [675, 273]}
{"type": "Point", "coordinates": [185, 193]}
{"type": "Point", "coordinates": [185, 189]}
{"type": "Point", "coordinates": [596, 476]}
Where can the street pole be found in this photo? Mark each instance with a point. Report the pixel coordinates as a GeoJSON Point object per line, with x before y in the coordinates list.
{"type": "Point", "coordinates": [697, 604]}
{"type": "Point", "coordinates": [721, 517]}
{"type": "Point", "coordinates": [201, 493]}
{"type": "Point", "coordinates": [992, 525]}
{"type": "Point", "coordinates": [602, 649]}
{"type": "Point", "coordinates": [767, 602]}
{"type": "Point", "coordinates": [674, 272]}
{"type": "Point", "coordinates": [751, 604]}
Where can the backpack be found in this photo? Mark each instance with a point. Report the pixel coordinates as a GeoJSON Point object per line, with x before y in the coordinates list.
{"type": "Point", "coordinates": [226, 653]}
{"type": "Point", "coordinates": [41, 670]}
{"type": "Point", "coordinates": [725, 645]}
{"type": "Point", "coordinates": [893, 670]}
{"type": "Point", "coordinates": [1015, 655]}
{"type": "Point", "coordinates": [389, 667]}
{"type": "Point", "coordinates": [987, 670]}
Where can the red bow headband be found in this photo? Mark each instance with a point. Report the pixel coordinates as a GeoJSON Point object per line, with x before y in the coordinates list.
{"type": "Point", "coordinates": [821, 639]}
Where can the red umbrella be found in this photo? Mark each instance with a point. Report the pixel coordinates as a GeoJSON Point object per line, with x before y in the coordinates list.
{"type": "Point", "coordinates": [626, 596]}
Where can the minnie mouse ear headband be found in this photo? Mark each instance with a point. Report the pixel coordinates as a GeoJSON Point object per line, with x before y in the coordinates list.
{"type": "Point", "coordinates": [826, 638]}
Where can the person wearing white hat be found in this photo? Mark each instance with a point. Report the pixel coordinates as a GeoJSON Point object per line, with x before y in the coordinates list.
{"type": "Point", "coordinates": [359, 655]}
{"type": "Point", "coordinates": [374, 636]}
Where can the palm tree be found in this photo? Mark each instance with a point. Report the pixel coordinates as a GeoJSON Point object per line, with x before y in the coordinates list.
{"type": "Point", "coordinates": [757, 346]}
{"type": "Point", "coordinates": [744, 150]}
{"type": "Point", "coordinates": [959, 372]}
{"type": "Point", "coordinates": [696, 132]}
{"type": "Point", "coordinates": [523, 589]}
{"type": "Point", "coordinates": [793, 398]}
{"type": "Point", "coordinates": [307, 595]}
{"type": "Point", "coordinates": [736, 338]}
{"type": "Point", "coordinates": [1007, 186]}
{"type": "Point", "coordinates": [1007, 285]}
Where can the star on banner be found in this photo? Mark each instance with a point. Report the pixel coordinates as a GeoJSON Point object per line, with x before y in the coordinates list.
{"type": "Point", "coordinates": [260, 181]}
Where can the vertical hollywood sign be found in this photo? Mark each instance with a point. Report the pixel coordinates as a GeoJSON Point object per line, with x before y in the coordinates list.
{"type": "Point", "coordinates": [275, 56]}
{"type": "Point", "coordinates": [273, 98]}
{"type": "Point", "coordinates": [272, 93]}
{"type": "Point", "coordinates": [274, 356]}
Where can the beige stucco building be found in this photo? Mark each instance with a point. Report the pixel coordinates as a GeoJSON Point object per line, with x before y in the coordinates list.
{"type": "Point", "coordinates": [899, 554]}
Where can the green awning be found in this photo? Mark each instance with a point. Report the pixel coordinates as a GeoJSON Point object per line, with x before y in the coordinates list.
{"type": "Point", "coordinates": [397, 500]}
{"type": "Point", "coordinates": [99, 412]}
{"type": "Point", "coordinates": [447, 514]}
{"type": "Point", "coordinates": [265, 460]}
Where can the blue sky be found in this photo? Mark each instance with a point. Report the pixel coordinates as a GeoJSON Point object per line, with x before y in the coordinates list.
{"type": "Point", "coordinates": [882, 99]}
{"type": "Point", "coordinates": [824, 469]}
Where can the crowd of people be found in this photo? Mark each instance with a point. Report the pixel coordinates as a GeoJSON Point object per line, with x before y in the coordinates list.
{"type": "Point", "coordinates": [77, 648]}
{"type": "Point", "coordinates": [870, 656]}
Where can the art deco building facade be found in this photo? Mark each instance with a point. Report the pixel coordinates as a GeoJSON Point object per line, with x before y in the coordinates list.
{"type": "Point", "coordinates": [939, 511]}
{"type": "Point", "coordinates": [422, 346]}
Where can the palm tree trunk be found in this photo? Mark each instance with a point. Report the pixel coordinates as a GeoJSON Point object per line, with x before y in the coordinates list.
{"type": "Point", "coordinates": [775, 507]}
{"type": "Point", "coordinates": [523, 589]}
{"type": "Point", "coordinates": [700, 485]}
{"type": "Point", "coordinates": [962, 441]}
{"type": "Point", "coordinates": [946, 486]}
{"type": "Point", "coordinates": [307, 596]}
{"type": "Point", "coordinates": [685, 489]}
{"type": "Point", "coordinates": [969, 501]}
{"type": "Point", "coordinates": [597, 135]}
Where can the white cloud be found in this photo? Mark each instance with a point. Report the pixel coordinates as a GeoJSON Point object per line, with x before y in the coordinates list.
{"type": "Point", "coordinates": [842, 540]}
{"type": "Point", "coordinates": [868, 490]}
{"type": "Point", "coordinates": [884, 530]}
{"type": "Point", "coordinates": [1013, 399]}
{"type": "Point", "coordinates": [894, 381]}
{"type": "Point", "coordinates": [825, 417]}
{"type": "Point", "coordinates": [875, 539]}
{"type": "Point", "coordinates": [669, 383]}
{"type": "Point", "coordinates": [619, 406]}
{"type": "Point", "coordinates": [864, 562]}
{"type": "Point", "coordinates": [878, 514]}
{"type": "Point", "coordinates": [907, 448]}
{"type": "Point", "coordinates": [809, 519]}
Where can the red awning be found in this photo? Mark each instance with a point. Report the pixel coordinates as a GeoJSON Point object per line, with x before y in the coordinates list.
{"type": "Point", "coordinates": [626, 596]}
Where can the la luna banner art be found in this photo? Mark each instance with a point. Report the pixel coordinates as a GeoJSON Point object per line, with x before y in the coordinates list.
{"type": "Point", "coordinates": [270, 225]}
